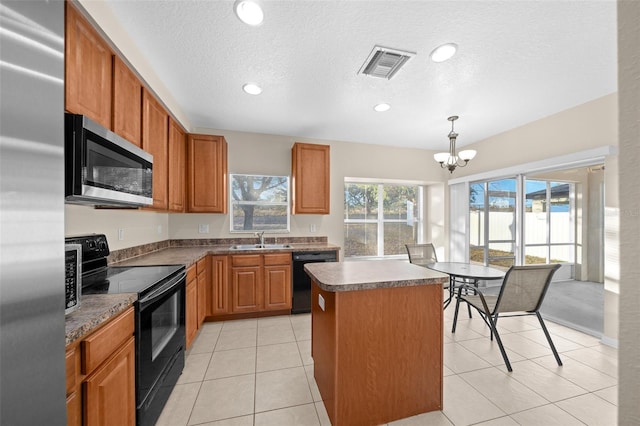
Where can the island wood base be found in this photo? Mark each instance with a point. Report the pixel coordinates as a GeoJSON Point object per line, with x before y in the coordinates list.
{"type": "Point", "coordinates": [378, 353]}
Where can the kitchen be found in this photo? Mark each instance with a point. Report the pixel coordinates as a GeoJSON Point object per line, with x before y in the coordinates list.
{"type": "Point", "coordinates": [348, 159]}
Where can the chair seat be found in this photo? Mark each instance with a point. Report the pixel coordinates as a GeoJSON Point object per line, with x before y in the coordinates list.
{"type": "Point", "coordinates": [476, 302]}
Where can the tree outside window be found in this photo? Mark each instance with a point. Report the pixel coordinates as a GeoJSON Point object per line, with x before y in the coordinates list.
{"type": "Point", "coordinates": [379, 219]}
{"type": "Point", "coordinates": [259, 203]}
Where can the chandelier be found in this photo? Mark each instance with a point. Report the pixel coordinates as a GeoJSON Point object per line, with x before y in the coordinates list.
{"type": "Point", "coordinates": [450, 160]}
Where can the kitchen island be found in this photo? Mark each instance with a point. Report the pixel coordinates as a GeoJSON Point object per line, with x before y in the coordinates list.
{"type": "Point", "coordinates": [376, 340]}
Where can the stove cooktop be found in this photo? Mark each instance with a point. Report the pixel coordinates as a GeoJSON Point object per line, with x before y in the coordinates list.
{"type": "Point", "coordinates": [126, 279]}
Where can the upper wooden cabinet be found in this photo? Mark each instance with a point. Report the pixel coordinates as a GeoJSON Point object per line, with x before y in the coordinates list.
{"type": "Point", "coordinates": [207, 174]}
{"type": "Point", "coordinates": [177, 166]}
{"type": "Point", "coordinates": [88, 67]}
{"type": "Point", "coordinates": [310, 178]}
{"type": "Point", "coordinates": [127, 102]}
{"type": "Point", "coordinates": [155, 129]}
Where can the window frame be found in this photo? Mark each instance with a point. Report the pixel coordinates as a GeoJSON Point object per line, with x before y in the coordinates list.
{"type": "Point", "coordinates": [233, 203]}
{"type": "Point", "coordinates": [380, 219]}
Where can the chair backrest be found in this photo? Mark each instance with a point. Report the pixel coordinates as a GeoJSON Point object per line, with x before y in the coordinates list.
{"type": "Point", "coordinates": [421, 254]}
{"type": "Point", "coordinates": [524, 288]}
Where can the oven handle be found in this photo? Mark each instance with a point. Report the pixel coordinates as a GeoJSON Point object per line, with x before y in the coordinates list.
{"type": "Point", "coordinates": [166, 288]}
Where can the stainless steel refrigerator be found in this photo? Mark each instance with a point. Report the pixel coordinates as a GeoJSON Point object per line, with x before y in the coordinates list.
{"type": "Point", "coordinates": [32, 367]}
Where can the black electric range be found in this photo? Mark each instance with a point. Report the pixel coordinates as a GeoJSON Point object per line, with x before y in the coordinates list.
{"type": "Point", "coordinates": [160, 319]}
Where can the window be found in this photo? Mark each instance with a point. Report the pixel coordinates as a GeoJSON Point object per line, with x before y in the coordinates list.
{"type": "Point", "coordinates": [549, 234]}
{"type": "Point", "coordinates": [501, 236]}
{"type": "Point", "coordinates": [492, 210]}
{"type": "Point", "coordinates": [380, 218]}
{"type": "Point", "coordinates": [259, 203]}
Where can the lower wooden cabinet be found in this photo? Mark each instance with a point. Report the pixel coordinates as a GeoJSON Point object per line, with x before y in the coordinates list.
{"type": "Point", "coordinates": [219, 267]}
{"type": "Point", "coordinates": [101, 375]}
{"type": "Point", "coordinates": [260, 282]}
{"type": "Point", "coordinates": [191, 306]}
{"type": "Point", "coordinates": [110, 390]}
{"type": "Point", "coordinates": [277, 281]}
{"type": "Point", "coordinates": [246, 283]}
{"type": "Point", "coordinates": [202, 268]}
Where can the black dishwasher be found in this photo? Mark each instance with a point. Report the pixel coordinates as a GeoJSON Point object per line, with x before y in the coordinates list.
{"type": "Point", "coordinates": [301, 281]}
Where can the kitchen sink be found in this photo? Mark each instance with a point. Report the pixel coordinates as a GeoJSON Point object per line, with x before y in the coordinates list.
{"type": "Point", "coordinates": [260, 246]}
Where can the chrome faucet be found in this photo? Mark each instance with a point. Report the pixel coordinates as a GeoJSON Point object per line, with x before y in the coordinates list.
{"type": "Point", "coordinates": [261, 236]}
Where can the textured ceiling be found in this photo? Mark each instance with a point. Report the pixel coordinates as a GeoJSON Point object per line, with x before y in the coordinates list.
{"type": "Point", "coordinates": [517, 61]}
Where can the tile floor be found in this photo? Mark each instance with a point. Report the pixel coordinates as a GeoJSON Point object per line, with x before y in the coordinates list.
{"type": "Point", "coordinates": [260, 372]}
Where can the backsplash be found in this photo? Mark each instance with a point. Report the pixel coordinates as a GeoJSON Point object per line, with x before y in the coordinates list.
{"type": "Point", "coordinates": [131, 252]}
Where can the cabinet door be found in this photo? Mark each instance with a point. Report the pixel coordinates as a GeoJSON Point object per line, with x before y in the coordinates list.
{"type": "Point", "coordinates": [277, 287]}
{"type": "Point", "coordinates": [155, 129]}
{"type": "Point", "coordinates": [207, 169]}
{"type": "Point", "coordinates": [191, 306]}
{"type": "Point", "coordinates": [219, 266]}
{"type": "Point", "coordinates": [310, 177]}
{"type": "Point", "coordinates": [246, 289]}
{"type": "Point", "coordinates": [127, 102]}
{"type": "Point", "coordinates": [110, 390]}
{"type": "Point", "coordinates": [203, 289]}
{"type": "Point", "coordinates": [177, 158]}
{"type": "Point", "coordinates": [88, 64]}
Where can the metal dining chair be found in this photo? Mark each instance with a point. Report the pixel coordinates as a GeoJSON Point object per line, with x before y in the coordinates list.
{"type": "Point", "coordinates": [423, 254]}
{"type": "Point", "coordinates": [522, 293]}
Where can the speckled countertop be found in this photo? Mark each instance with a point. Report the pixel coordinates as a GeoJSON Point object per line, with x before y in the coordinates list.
{"type": "Point", "coordinates": [190, 255]}
{"type": "Point", "coordinates": [94, 310]}
{"type": "Point", "coordinates": [372, 274]}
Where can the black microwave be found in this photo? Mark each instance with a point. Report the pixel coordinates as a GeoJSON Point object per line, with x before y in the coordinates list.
{"type": "Point", "coordinates": [102, 168]}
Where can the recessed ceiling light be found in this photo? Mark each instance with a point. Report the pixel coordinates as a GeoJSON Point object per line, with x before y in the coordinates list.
{"type": "Point", "coordinates": [444, 52]}
{"type": "Point", "coordinates": [252, 89]}
{"type": "Point", "coordinates": [382, 107]}
{"type": "Point", "coordinates": [249, 11]}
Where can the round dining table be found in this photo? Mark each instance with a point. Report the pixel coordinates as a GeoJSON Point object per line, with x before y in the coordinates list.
{"type": "Point", "coordinates": [465, 273]}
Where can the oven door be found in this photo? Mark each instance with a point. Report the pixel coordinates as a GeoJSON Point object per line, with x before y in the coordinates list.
{"type": "Point", "coordinates": [160, 341]}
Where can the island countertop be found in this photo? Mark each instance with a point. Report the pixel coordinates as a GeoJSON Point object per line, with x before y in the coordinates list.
{"type": "Point", "coordinates": [367, 275]}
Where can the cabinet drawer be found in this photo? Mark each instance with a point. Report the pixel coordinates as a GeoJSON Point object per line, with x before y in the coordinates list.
{"type": "Point", "coordinates": [246, 260]}
{"type": "Point", "coordinates": [191, 273]}
{"type": "Point", "coordinates": [277, 259]}
{"type": "Point", "coordinates": [100, 345]}
{"type": "Point", "coordinates": [201, 266]}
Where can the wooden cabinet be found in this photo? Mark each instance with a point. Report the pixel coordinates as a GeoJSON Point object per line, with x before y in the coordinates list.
{"type": "Point", "coordinates": [155, 129]}
{"type": "Point", "coordinates": [277, 281]}
{"type": "Point", "coordinates": [219, 267]}
{"type": "Point", "coordinates": [246, 283]}
{"type": "Point", "coordinates": [202, 268]}
{"type": "Point", "coordinates": [110, 390]}
{"type": "Point", "coordinates": [207, 174]}
{"type": "Point", "coordinates": [127, 102]}
{"type": "Point", "coordinates": [74, 399]}
{"type": "Point", "coordinates": [310, 178]}
{"type": "Point", "coordinates": [101, 375]}
{"type": "Point", "coordinates": [191, 306]}
{"type": "Point", "coordinates": [260, 282]}
{"type": "Point", "coordinates": [177, 166]}
{"type": "Point", "coordinates": [88, 67]}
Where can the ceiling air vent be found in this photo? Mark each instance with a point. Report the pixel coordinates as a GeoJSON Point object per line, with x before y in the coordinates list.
{"type": "Point", "coordinates": [384, 62]}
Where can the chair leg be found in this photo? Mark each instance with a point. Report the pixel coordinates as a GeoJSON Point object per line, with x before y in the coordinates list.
{"type": "Point", "coordinates": [494, 330]}
{"type": "Point", "coordinates": [455, 315]}
{"type": "Point", "coordinates": [548, 336]}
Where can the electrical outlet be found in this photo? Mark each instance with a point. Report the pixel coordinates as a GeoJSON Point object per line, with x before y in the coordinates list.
{"type": "Point", "coordinates": [321, 301]}
{"type": "Point", "coordinates": [312, 228]}
{"type": "Point", "coordinates": [159, 229]}
{"type": "Point", "coordinates": [203, 228]}
{"type": "Point", "coordinates": [120, 234]}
